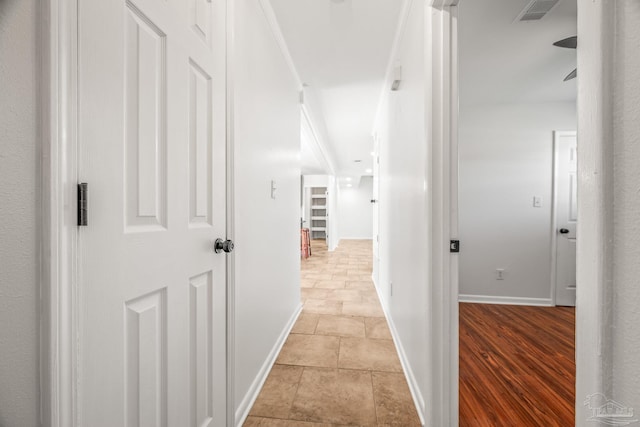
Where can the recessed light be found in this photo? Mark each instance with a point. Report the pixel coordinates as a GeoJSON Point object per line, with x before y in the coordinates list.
{"type": "Point", "coordinates": [357, 161]}
{"type": "Point", "coordinates": [368, 170]}
{"type": "Point", "coordinates": [349, 185]}
{"type": "Point", "coordinates": [373, 153]}
{"type": "Point", "coordinates": [349, 179]}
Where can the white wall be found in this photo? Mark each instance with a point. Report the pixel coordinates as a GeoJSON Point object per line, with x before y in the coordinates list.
{"type": "Point", "coordinates": [355, 210]}
{"type": "Point", "coordinates": [505, 158]}
{"type": "Point", "coordinates": [267, 147]}
{"type": "Point", "coordinates": [404, 215]}
{"type": "Point", "coordinates": [19, 192]}
{"type": "Point", "coordinates": [624, 331]}
{"type": "Point", "coordinates": [316, 181]}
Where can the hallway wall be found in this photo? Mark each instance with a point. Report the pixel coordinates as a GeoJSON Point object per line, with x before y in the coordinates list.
{"type": "Point", "coordinates": [19, 219]}
{"type": "Point", "coordinates": [356, 211]}
{"type": "Point", "coordinates": [505, 158]}
{"type": "Point", "coordinates": [404, 214]}
{"type": "Point", "coordinates": [267, 147]}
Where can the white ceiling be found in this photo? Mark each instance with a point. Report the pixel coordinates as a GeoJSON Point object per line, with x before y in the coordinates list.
{"type": "Point", "coordinates": [502, 61]}
{"type": "Point", "coordinates": [341, 50]}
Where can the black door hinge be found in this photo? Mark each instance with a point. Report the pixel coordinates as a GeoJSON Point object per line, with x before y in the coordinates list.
{"type": "Point", "coordinates": [454, 246]}
{"type": "Point", "coordinates": [83, 213]}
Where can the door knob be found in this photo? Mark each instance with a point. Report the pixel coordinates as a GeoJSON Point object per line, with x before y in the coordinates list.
{"type": "Point", "coordinates": [223, 245]}
{"type": "Point", "coordinates": [564, 231]}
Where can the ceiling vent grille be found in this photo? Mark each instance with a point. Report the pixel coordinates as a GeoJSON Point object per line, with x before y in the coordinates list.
{"type": "Point", "coordinates": [536, 10]}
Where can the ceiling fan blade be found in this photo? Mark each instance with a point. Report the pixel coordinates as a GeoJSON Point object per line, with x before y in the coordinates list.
{"type": "Point", "coordinates": [569, 42]}
{"type": "Point", "coordinates": [571, 75]}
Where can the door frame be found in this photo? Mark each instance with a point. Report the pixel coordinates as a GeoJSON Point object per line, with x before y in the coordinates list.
{"type": "Point", "coordinates": [596, 31]}
{"type": "Point", "coordinates": [59, 286]}
{"type": "Point", "coordinates": [441, 22]}
{"type": "Point", "coordinates": [554, 210]}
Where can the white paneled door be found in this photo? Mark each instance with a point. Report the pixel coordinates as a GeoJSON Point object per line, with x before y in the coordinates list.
{"type": "Point", "coordinates": [151, 290]}
{"type": "Point", "coordinates": [566, 217]}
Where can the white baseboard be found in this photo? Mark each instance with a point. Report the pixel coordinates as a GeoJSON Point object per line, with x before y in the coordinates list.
{"type": "Point", "coordinates": [249, 399]}
{"type": "Point", "coordinates": [418, 400]}
{"type": "Point", "coordinates": [484, 299]}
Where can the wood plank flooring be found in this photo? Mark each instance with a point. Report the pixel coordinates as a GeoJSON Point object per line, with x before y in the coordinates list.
{"type": "Point", "coordinates": [517, 366]}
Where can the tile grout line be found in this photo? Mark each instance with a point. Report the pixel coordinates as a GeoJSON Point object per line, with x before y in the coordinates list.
{"type": "Point", "coordinates": [373, 394]}
{"type": "Point", "coordinates": [296, 393]}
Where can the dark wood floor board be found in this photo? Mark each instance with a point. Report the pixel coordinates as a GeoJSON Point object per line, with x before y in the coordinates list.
{"type": "Point", "coordinates": [517, 366]}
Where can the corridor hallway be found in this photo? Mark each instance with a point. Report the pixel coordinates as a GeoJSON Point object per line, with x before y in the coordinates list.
{"type": "Point", "coordinates": [339, 365]}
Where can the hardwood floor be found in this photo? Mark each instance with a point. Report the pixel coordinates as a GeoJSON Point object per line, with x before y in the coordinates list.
{"type": "Point", "coordinates": [517, 366]}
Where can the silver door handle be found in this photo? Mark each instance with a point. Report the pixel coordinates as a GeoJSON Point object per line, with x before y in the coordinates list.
{"type": "Point", "coordinates": [223, 245]}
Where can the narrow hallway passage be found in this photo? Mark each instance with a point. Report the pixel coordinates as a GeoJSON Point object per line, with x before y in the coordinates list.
{"type": "Point", "coordinates": [339, 365]}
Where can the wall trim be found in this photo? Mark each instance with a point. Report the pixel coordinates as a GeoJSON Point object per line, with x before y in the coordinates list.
{"type": "Point", "coordinates": [231, 219]}
{"type": "Point", "coordinates": [270, 15]}
{"type": "Point", "coordinates": [418, 400]}
{"type": "Point", "coordinates": [58, 248]}
{"type": "Point", "coordinates": [490, 299]}
{"type": "Point", "coordinates": [442, 166]}
{"type": "Point", "coordinates": [594, 304]}
{"type": "Point", "coordinates": [249, 399]}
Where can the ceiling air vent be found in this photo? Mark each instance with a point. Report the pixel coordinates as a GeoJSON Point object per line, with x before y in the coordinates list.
{"type": "Point", "coordinates": [536, 10]}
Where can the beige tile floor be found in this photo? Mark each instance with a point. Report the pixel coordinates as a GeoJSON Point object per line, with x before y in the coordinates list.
{"type": "Point", "coordinates": [339, 365]}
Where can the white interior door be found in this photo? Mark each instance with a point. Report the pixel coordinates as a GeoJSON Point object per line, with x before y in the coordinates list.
{"type": "Point", "coordinates": [152, 132]}
{"type": "Point", "coordinates": [566, 217]}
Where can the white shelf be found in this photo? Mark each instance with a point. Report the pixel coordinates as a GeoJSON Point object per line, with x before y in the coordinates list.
{"type": "Point", "coordinates": [318, 220]}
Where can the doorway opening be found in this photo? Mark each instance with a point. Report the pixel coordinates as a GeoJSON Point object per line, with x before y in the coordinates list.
{"type": "Point", "coordinates": [517, 201]}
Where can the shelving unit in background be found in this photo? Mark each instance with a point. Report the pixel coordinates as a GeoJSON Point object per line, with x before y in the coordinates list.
{"type": "Point", "coordinates": [319, 217]}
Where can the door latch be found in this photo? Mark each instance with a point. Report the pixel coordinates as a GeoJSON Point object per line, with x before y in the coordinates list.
{"type": "Point", "coordinates": [83, 212]}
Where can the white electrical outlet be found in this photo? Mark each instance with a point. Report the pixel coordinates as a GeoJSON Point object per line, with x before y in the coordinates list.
{"type": "Point", "coordinates": [499, 273]}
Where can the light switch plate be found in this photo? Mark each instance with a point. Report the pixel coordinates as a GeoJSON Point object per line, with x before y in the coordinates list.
{"type": "Point", "coordinates": [537, 201]}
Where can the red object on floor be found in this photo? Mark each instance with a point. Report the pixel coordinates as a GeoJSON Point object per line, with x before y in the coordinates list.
{"type": "Point", "coordinates": [305, 243]}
